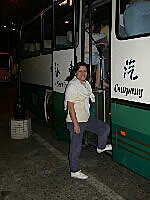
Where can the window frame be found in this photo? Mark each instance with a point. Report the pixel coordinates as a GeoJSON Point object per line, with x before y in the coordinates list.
{"type": "Point", "coordinates": [44, 52]}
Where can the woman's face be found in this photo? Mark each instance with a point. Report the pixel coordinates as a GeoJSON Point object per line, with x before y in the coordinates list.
{"type": "Point", "coordinates": [81, 74]}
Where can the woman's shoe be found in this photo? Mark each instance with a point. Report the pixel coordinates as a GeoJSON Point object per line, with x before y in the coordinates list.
{"type": "Point", "coordinates": [78, 175]}
{"type": "Point", "coordinates": [107, 148]}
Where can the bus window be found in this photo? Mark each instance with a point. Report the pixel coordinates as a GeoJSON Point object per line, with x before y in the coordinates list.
{"type": "Point", "coordinates": [63, 25]}
{"type": "Point", "coordinates": [134, 18]}
{"type": "Point", "coordinates": [32, 38]}
{"type": "Point", "coordinates": [47, 32]}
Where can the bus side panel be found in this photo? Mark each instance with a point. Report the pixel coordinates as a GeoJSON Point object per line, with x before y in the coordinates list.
{"type": "Point", "coordinates": [37, 70]}
{"type": "Point", "coordinates": [34, 97]}
{"type": "Point", "coordinates": [62, 64]}
{"type": "Point", "coordinates": [62, 132]}
{"type": "Point", "coordinates": [36, 76]}
{"type": "Point", "coordinates": [131, 138]}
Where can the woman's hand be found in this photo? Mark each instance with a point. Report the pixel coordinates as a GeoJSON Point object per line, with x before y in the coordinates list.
{"type": "Point", "coordinates": [77, 128]}
{"type": "Point", "coordinates": [73, 117]}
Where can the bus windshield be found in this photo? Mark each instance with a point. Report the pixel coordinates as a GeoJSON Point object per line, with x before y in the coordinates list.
{"type": "Point", "coordinates": [4, 61]}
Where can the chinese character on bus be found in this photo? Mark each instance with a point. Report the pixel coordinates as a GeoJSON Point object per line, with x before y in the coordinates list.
{"type": "Point", "coordinates": [129, 69]}
{"type": "Point", "coordinates": [57, 71]}
{"type": "Point", "coordinates": [71, 67]}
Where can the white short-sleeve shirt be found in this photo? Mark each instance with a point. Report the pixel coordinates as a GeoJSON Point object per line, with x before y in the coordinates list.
{"type": "Point", "coordinates": [79, 106]}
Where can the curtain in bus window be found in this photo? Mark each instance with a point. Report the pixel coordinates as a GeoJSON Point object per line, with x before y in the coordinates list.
{"type": "Point", "coordinates": [137, 18]}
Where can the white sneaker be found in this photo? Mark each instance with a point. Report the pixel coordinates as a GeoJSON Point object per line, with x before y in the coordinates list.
{"type": "Point", "coordinates": [78, 175]}
{"type": "Point", "coordinates": [107, 148]}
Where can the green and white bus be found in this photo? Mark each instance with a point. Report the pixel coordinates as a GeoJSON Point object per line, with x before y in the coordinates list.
{"type": "Point", "coordinates": [130, 94]}
{"type": "Point", "coordinates": [54, 40]}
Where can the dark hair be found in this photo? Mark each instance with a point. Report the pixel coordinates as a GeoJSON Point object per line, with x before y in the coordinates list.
{"type": "Point", "coordinates": [78, 65]}
{"type": "Point", "coordinates": [75, 69]}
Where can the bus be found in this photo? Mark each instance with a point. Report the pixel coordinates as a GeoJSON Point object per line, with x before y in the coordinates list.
{"type": "Point", "coordinates": [130, 99]}
{"type": "Point", "coordinates": [8, 70]}
{"type": "Point", "coordinates": [54, 41]}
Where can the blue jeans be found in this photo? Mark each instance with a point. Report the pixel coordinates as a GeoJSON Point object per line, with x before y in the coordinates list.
{"type": "Point", "coordinates": [98, 127]}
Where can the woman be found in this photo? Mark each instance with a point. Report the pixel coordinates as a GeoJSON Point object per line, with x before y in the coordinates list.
{"type": "Point", "coordinates": [78, 93]}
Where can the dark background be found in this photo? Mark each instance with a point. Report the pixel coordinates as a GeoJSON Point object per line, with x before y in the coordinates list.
{"type": "Point", "coordinates": [20, 10]}
{"type": "Point", "coordinates": [14, 13]}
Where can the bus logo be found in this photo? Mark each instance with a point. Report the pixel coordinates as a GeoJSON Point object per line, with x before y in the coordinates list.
{"type": "Point", "coordinates": [129, 69]}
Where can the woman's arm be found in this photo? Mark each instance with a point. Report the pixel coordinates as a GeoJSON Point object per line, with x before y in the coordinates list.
{"type": "Point", "coordinates": [73, 117]}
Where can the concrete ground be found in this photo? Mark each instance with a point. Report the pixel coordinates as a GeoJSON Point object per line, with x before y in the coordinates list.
{"type": "Point", "coordinates": [37, 168]}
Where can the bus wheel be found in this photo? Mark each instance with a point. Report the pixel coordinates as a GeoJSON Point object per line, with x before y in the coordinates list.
{"type": "Point", "coordinates": [48, 108]}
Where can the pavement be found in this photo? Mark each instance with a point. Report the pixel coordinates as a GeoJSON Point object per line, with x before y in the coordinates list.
{"type": "Point", "coordinates": [37, 168]}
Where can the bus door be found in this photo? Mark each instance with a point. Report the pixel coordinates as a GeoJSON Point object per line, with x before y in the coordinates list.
{"type": "Point", "coordinates": [66, 51]}
{"type": "Point", "coordinates": [130, 91]}
{"type": "Point", "coordinates": [96, 55]}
